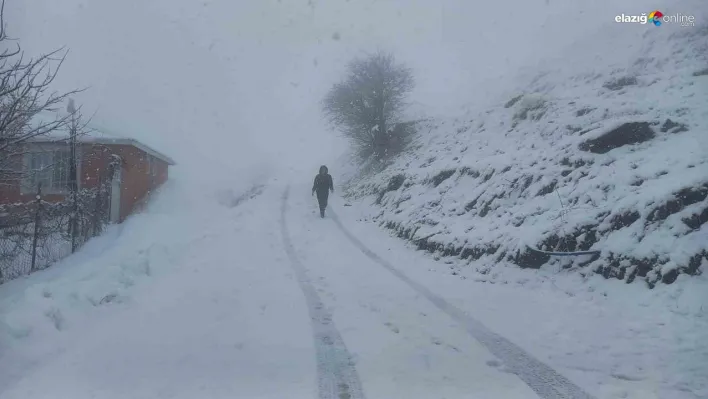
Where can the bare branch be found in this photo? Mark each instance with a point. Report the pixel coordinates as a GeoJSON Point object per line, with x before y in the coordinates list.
{"type": "Point", "coordinates": [25, 97]}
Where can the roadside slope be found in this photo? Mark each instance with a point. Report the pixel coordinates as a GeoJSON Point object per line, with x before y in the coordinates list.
{"type": "Point", "coordinates": [612, 339]}
{"type": "Point", "coordinates": [604, 149]}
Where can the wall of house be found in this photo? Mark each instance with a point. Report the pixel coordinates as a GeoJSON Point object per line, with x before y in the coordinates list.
{"type": "Point", "coordinates": [95, 162]}
{"type": "Point", "coordinates": [135, 183]}
{"type": "Point", "coordinates": [94, 168]}
{"type": "Point", "coordinates": [137, 180]}
{"type": "Point", "coordinates": [10, 194]}
{"type": "Point", "coordinates": [162, 176]}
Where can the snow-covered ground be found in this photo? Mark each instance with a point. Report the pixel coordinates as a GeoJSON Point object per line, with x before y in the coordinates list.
{"type": "Point", "coordinates": [218, 310]}
{"type": "Point", "coordinates": [212, 292]}
{"type": "Point", "coordinates": [211, 324]}
{"type": "Point", "coordinates": [604, 148]}
{"type": "Point", "coordinates": [616, 340]}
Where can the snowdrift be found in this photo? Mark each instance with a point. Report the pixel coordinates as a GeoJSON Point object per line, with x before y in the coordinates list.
{"type": "Point", "coordinates": [591, 154]}
{"type": "Point", "coordinates": [110, 269]}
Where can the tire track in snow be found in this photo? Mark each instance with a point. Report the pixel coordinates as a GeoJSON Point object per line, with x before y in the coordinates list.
{"type": "Point", "coordinates": [541, 378]}
{"type": "Point", "coordinates": [336, 375]}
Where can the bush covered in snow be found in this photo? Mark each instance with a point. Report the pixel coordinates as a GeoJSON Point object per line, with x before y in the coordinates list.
{"type": "Point", "coordinates": [612, 158]}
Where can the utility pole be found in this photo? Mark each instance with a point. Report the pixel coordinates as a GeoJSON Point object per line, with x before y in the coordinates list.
{"type": "Point", "coordinates": [73, 178]}
{"type": "Point", "coordinates": [37, 221]}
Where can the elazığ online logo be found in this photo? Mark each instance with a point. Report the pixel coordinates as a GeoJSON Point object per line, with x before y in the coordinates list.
{"type": "Point", "coordinates": [657, 18]}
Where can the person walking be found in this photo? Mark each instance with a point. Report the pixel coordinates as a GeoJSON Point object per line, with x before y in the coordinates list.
{"type": "Point", "coordinates": [323, 186]}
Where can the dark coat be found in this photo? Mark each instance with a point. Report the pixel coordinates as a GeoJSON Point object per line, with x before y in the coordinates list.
{"type": "Point", "coordinates": [323, 184]}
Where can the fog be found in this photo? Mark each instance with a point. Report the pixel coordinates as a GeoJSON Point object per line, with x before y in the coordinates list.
{"type": "Point", "coordinates": [229, 87]}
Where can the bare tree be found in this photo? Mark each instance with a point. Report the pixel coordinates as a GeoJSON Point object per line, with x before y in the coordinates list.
{"type": "Point", "coordinates": [24, 96]}
{"type": "Point", "coordinates": [77, 127]}
{"type": "Point", "coordinates": [366, 106]}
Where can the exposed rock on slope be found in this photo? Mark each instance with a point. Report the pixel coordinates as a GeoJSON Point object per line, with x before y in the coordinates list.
{"type": "Point", "coordinates": [614, 161]}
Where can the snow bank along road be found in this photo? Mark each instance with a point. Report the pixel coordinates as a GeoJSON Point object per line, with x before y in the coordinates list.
{"type": "Point", "coordinates": [231, 321]}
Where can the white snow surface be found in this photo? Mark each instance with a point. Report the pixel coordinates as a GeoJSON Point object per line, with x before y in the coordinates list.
{"type": "Point", "coordinates": [511, 174]}
{"type": "Point", "coordinates": [214, 311]}
{"type": "Point", "coordinates": [196, 297]}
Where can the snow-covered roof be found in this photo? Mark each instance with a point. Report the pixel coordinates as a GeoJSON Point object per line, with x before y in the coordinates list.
{"type": "Point", "coordinates": [96, 135]}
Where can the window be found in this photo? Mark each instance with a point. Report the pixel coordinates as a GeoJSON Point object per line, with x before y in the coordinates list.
{"type": "Point", "coordinates": [48, 168]}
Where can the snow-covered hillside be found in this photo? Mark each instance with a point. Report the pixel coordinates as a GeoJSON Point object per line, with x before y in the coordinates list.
{"type": "Point", "coordinates": [604, 148]}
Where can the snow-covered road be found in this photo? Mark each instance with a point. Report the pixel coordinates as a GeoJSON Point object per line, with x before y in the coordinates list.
{"type": "Point", "coordinates": [415, 342]}
{"type": "Point", "coordinates": [270, 301]}
{"type": "Point", "coordinates": [401, 344]}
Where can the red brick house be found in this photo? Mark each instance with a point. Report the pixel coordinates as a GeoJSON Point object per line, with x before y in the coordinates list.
{"type": "Point", "coordinates": [132, 168]}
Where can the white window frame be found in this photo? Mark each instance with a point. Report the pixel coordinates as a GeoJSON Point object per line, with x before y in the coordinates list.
{"type": "Point", "coordinates": [49, 152]}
